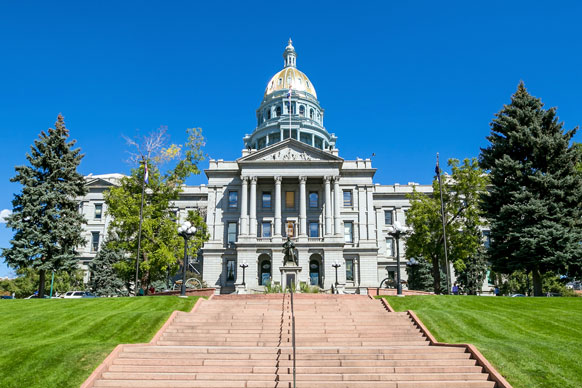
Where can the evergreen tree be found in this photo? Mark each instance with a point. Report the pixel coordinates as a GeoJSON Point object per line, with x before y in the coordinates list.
{"type": "Point", "coordinates": [45, 216]}
{"type": "Point", "coordinates": [420, 275]}
{"type": "Point", "coordinates": [104, 278]}
{"type": "Point", "coordinates": [472, 276]}
{"type": "Point", "coordinates": [533, 205]}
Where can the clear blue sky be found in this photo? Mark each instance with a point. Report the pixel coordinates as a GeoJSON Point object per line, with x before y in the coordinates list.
{"type": "Point", "coordinates": [403, 80]}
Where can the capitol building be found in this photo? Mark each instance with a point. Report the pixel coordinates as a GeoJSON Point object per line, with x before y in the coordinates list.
{"type": "Point", "coordinates": [290, 182]}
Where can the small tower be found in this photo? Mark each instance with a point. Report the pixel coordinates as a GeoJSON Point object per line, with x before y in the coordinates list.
{"type": "Point", "coordinates": [290, 56]}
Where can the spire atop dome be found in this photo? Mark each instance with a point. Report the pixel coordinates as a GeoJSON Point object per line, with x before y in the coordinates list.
{"type": "Point", "coordinates": [290, 56]}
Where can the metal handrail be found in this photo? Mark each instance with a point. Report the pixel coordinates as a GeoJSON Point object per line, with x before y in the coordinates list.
{"type": "Point", "coordinates": [293, 334]}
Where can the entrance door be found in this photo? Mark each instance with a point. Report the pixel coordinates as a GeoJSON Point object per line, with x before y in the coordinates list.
{"type": "Point", "coordinates": [264, 270]}
{"type": "Point", "coordinates": [314, 273]}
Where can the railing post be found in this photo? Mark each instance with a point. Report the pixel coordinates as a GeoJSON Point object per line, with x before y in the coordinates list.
{"type": "Point", "coordinates": [293, 335]}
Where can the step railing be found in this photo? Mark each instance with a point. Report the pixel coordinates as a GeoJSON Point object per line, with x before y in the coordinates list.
{"type": "Point", "coordinates": [293, 335]}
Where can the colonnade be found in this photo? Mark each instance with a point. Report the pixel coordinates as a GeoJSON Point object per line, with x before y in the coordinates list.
{"type": "Point", "coordinates": [248, 217]}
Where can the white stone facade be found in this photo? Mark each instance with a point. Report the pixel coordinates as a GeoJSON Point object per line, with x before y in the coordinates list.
{"type": "Point", "coordinates": [289, 182]}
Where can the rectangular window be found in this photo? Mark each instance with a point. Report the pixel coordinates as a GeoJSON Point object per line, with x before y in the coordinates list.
{"type": "Point", "coordinates": [266, 229]}
{"type": "Point", "coordinates": [230, 270]}
{"type": "Point", "coordinates": [487, 239]}
{"type": "Point", "coordinates": [233, 199]}
{"type": "Point", "coordinates": [289, 199]}
{"type": "Point", "coordinates": [266, 200]}
{"type": "Point", "coordinates": [350, 270]}
{"type": "Point", "coordinates": [290, 229]}
{"type": "Point", "coordinates": [390, 247]}
{"type": "Point", "coordinates": [318, 142]}
{"type": "Point", "coordinates": [348, 198]}
{"type": "Point", "coordinates": [388, 217]}
{"type": "Point", "coordinates": [348, 232]}
{"type": "Point", "coordinates": [305, 138]}
{"type": "Point", "coordinates": [94, 241]}
{"type": "Point", "coordinates": [314, 229]}
{"type": "Point", "coordinates": [313, 200]}
{"type": "Point", "coordinates": [231, 229]}
{"type": "Point", "coordinates": [98, 211]}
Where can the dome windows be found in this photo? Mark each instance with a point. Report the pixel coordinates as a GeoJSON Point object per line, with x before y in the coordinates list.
{"type": "Point", "coordinates": [302, 110]}
{"type": "Point", "coordinates": [280, 82]}
{"type": "Point", "coordinates": [311, 113]}
{"type": "Point", "coordinates": [278, 111]}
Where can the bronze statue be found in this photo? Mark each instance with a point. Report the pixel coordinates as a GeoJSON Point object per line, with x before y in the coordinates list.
{"type": "Point", "coordinates": [290, 252]}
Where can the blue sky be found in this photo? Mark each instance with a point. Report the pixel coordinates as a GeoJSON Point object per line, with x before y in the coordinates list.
{"type": "Point", "coordinates": [403, 80]}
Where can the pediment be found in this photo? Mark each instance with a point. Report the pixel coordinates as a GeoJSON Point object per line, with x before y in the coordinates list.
{"type": "Point", "coordinates": [290, 150]}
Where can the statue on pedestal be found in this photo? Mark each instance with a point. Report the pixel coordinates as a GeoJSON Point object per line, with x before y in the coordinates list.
{"type": "Point", "coordinates": [290, 252]}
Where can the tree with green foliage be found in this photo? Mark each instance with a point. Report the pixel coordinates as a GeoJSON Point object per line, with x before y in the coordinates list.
{"type": "Point", "coordinates": [472, 275]}
{"type": "Point", "coordinates": [161, 246]}
{"type": "Point", "coordinates": [45, 215]}
{"type": "Point", "coordinates": [104, 278]}
{"type": "Point", "coordinates": [461, 195]}
{"type": "Point", "coordinates": [533, 205]}
{"type": "Point", "coordinates": [420, 275]}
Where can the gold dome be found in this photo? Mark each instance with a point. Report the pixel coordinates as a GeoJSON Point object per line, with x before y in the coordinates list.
{"type": "Point", "coordinates": [287, 77]}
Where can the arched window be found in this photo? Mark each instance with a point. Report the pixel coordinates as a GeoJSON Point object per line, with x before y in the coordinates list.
{"type": "Point", "coordinates": [280, 81]}
{"type": "Point", "coordinates": [311, 113]}
{"type": "Point", "coordinates": [264, 270]}
{"type": "Point", "coordinates": [278, 111]}
{"type": "Point", "coordinates": [269, 113]}
{"type": "Point", "coordinates": [301, 110]}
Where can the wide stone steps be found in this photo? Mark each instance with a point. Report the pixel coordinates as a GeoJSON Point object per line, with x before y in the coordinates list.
{"type": "Point", "coordinates": [342, 342]}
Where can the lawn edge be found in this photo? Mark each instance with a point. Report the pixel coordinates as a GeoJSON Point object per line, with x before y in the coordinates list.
{"type": "Point", "coordinates": [119, 348]}
{"type": "Point", "coordinates": [500, 381]}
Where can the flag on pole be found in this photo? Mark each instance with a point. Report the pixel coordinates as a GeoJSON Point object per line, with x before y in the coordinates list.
{"type": "Point", "coordinates": [146, 175]}
{"type": "Point", "coordinates": [289, 92]}
{"type": "Point", "coordinates": [437, 169]}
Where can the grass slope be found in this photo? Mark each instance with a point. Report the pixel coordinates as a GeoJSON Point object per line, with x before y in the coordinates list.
{"type": "Point", "coordinates": [533, 342]}
{"type": "Point", "coordinates": [59, 342]}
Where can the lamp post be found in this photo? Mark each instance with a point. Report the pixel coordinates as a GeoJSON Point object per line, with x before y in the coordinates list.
{"type": "Point", "coordinates": [336, 265]}
{"type": "Point", "coordinates": [396, 231]}
{"type": "Point", "coordinates": [186, 230]}
{"type": "Point", "coordinates": [244, 266]}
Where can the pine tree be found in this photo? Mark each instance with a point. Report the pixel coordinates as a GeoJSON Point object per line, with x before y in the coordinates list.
{"type": "Point", "coordinates": [533, 205]}
{"type": "Point", "coordinates": [104, 278]}
{"type": "Point", "coordinates": [45, 216]}
{"type": "Point", "coordinates": [472, 276]}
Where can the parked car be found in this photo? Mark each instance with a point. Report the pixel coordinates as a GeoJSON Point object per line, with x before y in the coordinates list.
{"type": "Point", "coordinates": [6, 297]}
{"type": "Point", "coordinates": [35, 296]}
{"type": "Point", "coordinates": [517, 295]}
{"type": "Point", "coordinates": [78, 295]}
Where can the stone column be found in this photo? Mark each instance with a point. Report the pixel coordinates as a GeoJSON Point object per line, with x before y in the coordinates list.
{"type": "Point", "coordinates": [253, 216]}
{"type": "Point", "coordinates": [328, 216]}
{"type": "Point", "coordinates": [277, 206]}
{"type": "Point", "coordinates": [302, 206]}
{"type": "Point", "coordinates": [337, 206]}
{"type": "Point", "coordinates": [244, 214]}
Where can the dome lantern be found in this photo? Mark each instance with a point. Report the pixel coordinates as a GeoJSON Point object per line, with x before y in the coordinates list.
{"type": "Point", "coordinates": [290, 56]}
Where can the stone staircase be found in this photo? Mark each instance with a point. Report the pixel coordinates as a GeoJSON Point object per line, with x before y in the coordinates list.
{"type": "Point", "coordinates": [347, 341]}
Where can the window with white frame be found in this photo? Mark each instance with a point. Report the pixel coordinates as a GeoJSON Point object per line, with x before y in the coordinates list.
{"type": "Point", "coordinates": [266, 200]}
{"type": "Point", "coordinates": [98, 211]}
{"type": "Point", "coordinates": [388, 219]}
{"type": "Point", "coordinates": [313, 200]}
{"type": "Point", "coordinates": [94, 241]}
{"type": "Point", "coordinates": [350, 270]}
{"type": "Point", "coordinates": [231, 233]}
{"type": "Point", "coordinates": [266, 229]}
{"type": "Point", "coordinates": [348, 202]}
{"type": "Point", "coordinates": [349, 232]}
{"type": "Point", "coordinates": [314, 229]}
{"type": "Point", "coordinates": [390, 247]}
{"type": "Point", "coordinates": [233, 199]}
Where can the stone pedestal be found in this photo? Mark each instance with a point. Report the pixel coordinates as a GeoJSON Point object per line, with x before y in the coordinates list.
{"type": "Point", "coordinates": [290, 275]}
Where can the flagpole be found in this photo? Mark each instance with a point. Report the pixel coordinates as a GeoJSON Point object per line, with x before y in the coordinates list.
{"type": "Point", "coordinates": [143, 184]}
{"type": "Point", "coordinates": [444, 220]}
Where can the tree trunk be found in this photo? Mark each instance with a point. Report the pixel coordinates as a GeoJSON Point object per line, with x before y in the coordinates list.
{"type": "Point", "coordinates": [41, 282]}
{"type": "Point", "coordinates": [537, 282]}
{"type": "Point", "coordinates": [436, 274]}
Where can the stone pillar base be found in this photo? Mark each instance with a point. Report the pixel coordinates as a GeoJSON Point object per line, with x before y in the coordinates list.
{"type": "Point", "coordinates": [290, 275]}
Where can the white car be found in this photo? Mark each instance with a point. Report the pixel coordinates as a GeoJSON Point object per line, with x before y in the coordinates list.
{"type": "Point", "coordinates": [78, 295]}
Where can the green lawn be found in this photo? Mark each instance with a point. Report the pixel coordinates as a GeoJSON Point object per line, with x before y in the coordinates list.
{"type": "Point", "coordinates": [59, 342]}
{"type": "Point", "coordinates": [533, 342]}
